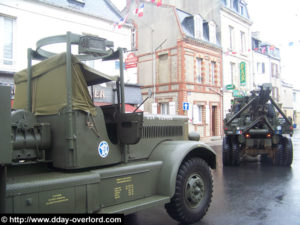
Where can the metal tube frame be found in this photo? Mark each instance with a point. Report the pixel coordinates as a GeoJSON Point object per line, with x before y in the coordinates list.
{"type": "Point", "coordinates": [29, 80]}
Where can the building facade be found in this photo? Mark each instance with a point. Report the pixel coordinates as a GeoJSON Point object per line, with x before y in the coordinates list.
{"type": "Point", "coordinates": [24, 22]}
{"type": "Point", "coordinates": [287, 103]}
{"type": "Point", "coordinates": [180, 60]}
{"type": "Point", "coordinates": [296, 106]}
{"type": "Point", "coordinates": [266, 69]}
{"type": "Point", "coordinates": [233, 27]}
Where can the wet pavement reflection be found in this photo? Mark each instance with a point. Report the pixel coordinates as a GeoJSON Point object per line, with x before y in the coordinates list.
{"type": "Point", "coordinates": [249, 194]}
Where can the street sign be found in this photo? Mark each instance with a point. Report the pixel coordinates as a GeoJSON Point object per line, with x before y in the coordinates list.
{"type": "Point", "coordinates": [131, 61]}
{"type": "Point", "coordinates": [230, 86]}
{"type": "Point", "coordinates": [186, 106]}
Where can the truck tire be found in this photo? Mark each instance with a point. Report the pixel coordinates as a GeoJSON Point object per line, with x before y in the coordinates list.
{"type": "Point", "coordinates": [279, 154]}
{"type": "Point", "coordinates": [193, 192]}
{"type": "Point", "coordinates": [235, 160]}
{"type": "Point", "coordinates": [288, 152]}
{"type": "Point", "coordinates": [226, 151]}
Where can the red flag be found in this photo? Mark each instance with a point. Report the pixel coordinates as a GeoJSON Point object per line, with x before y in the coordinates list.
{"type": "Point", "coordinates": [159, 2]}
{"type": "Point", "coordinates": [140, 10]}
{"type": "Point", "coordinates": [121, 22]}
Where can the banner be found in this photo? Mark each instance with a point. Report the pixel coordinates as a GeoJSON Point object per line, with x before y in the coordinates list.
{"type": "Point", "coordinates": [243, 73]}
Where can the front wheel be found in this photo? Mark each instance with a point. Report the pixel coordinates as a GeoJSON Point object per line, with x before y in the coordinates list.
{"type": "Point", "coordinates": [193, 192]}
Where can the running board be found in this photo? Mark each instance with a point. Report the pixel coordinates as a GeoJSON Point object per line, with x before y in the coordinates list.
{"type": "Point", "coordinates": [137, 205]}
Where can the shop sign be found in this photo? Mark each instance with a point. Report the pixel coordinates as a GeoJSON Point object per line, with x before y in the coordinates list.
{"type": "Point", "coordinates": [243, 73]}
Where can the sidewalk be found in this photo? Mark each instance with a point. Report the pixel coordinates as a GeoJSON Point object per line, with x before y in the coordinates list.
{"type": "Point", "coordinates": [212, 141]}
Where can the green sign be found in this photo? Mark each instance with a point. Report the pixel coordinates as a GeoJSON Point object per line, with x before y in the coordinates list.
{"type": "Point", "coordinates": [238, 93]}
{"type": "Point", "coordinates": [230, 86]}
{"type": "Point", "coordinates": [243, 73]}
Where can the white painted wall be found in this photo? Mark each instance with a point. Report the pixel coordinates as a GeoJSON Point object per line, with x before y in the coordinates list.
{"type": "Point", "coordinates": [235, 55]}
{"type": "Point", "coordinates": [35, 21]}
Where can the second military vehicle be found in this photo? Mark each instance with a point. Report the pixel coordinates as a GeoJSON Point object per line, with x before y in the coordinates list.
{"type": "Point", "coordinates": [59, 153]}
{"type": "Point", "coordinates": [257, 126]}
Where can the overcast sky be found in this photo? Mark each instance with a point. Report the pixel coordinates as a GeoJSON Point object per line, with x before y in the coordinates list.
{"type": "Point", "coordinates": [279, 24]}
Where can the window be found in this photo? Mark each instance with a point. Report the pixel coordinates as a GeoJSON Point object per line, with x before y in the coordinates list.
{"type": "Point", "coordinates": [261, 68]}
{"type": "Point", "coordinates": [164, 108]}
{"type": "Point", "coordinates": [6, 41]}
{"type": "Point", "coordinates": [242, 10]}
{"type": "Point", "coordinates": [199, 70]}
{"type": "Point", "coordinates": [243, 42]}
{"type": "Point", "coordinates": [197, 114]}
{"type": "Point", "coordinates": [213, 67]}
{"type": "Point", "coordinates": [231, 37]}
{"type": "Point", "coordinates": [200, 109]}
{"type": "Point", "coordinates": [232, 72]}
{"type": "Point", "coordinates": [274, 68]}
{"type": "Point", "coordinates": [235, 5]}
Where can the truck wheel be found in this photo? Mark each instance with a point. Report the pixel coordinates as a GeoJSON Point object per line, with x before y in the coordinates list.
{"type": "Point", "coordinates": [226, 153]}
{"type": "Point", "coordinates": [288, 152]}
{"type": "Point", "coordinates": [235, 161]}
{"type": "Point", "coordinates": [279, 154]}
{"type": "Point", "coordinates": [193, 192]}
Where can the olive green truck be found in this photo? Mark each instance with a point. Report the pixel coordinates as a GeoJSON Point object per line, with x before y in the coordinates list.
{"type": "Point", "coordinates": [61, 154]}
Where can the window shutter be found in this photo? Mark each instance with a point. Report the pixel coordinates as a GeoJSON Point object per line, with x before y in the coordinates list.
{"type": "Point", "coordinates": [195, 114]}
{"type": "Point", "coordinates": [207, 110]}
{"type": "Point", "coordinates": [172, 108]}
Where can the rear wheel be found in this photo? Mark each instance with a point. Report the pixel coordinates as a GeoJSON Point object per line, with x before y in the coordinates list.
{"type": "Point", "coordinates": [193, 192]}
{"type": "Point", "coordinates": [235, 161]}
{"type": "Point", "coordinates": [226, 151]}
{"type": "Point", "coordinates": [279, 155]}
{"type": "Point", "coordinates": [288, 152]}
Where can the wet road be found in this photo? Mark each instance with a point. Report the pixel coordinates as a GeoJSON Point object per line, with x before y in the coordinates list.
{"type": "Point", "coordinates": [252, 194]}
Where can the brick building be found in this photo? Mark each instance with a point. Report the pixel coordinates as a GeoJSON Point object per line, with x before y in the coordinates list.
{"type": "Point", "coordinates": [180, 60]}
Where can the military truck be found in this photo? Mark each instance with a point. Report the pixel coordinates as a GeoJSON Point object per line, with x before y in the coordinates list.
{"type": "Point", "coordinates": [61, 154]}
{"type": "Point", "coordinates": [256, 126]}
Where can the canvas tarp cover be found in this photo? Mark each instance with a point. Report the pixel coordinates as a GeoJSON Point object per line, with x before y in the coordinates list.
{"type": "Point", "coordinates": [49, 90]}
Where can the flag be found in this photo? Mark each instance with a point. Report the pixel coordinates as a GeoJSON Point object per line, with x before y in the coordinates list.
{"type": "Point", "coordinates": [140, 11]}
{"type": "Point", "coordinates": [291, 43]}
{"type": "Point", "coordinates": [158, 2]}
{"type": "Point", "coordinates": [272, 47]}
{"type": "Point", "coordinates": [263, 50]}
{"type": "Point", "coordinates": [121, 22]}
{"type": "Point", "coordinates": [233, 53]}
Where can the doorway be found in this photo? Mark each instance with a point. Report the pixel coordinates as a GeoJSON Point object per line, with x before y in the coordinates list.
{"type": "Point", "coordinates": [214, 121]}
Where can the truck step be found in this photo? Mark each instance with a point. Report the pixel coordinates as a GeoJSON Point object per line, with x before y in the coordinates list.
{"type": "Point", "coordinates": [137, 205]}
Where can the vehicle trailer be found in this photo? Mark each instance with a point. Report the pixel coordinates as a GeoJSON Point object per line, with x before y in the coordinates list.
{"type": "Point", "coordinates": [61, 154]}
{"type": "Point", "coordinates": [257, 126]}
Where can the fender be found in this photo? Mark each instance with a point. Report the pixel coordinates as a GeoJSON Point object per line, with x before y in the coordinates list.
{"type": "Point", "coordinates": [173, 153]}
